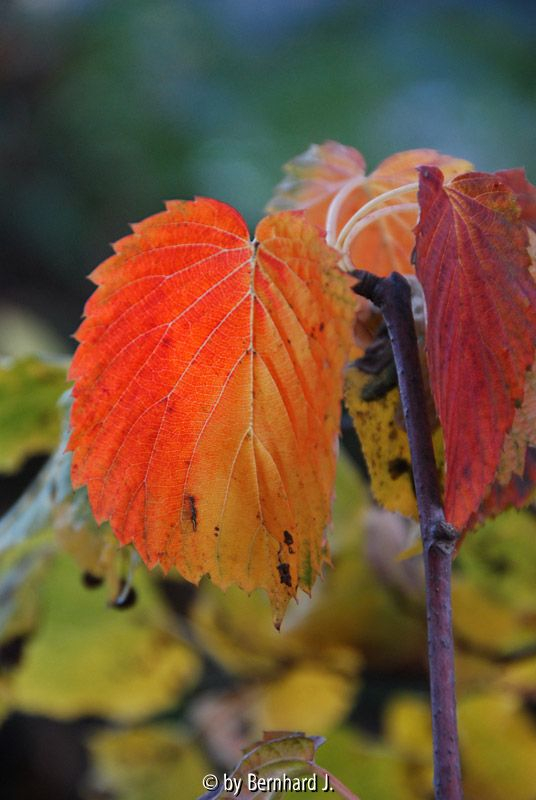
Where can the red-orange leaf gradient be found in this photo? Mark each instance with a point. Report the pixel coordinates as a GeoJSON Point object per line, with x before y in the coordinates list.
{"type": "Point", "coordinates": [207, 395]}
{"type": "Point", "coordinates": [472, 261]}
{"type": "Point", "coordinates": [313, 178]}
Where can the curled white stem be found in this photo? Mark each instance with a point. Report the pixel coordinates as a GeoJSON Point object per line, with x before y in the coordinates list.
{"type": "Point", "coordinates": [336, 205]}
{"type": "Point", "coordinates": [365, 210]}
{"type": "Point", "coordinates": [373, 217]}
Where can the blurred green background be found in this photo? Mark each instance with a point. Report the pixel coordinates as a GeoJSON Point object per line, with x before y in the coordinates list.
{"type": "Point", "coordinates": [111, 106]}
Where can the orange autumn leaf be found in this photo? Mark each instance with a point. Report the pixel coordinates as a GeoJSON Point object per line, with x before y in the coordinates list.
{"type": "Point", "coordinates": [207, 395]}
{"type": "Point", "coordinates": [313, 178]}
{"type": "Point", "coordinates": [316, 176]}
{"type": "Point", "coordinates": [328, 182]}
{"type": "Point", "coordinates": [473, 263]}
{"type": "Point", "coordinates": [385, 245]}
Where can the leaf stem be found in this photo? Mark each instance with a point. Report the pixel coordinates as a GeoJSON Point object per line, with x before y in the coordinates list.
{"type": "Point", "coordinates": [393, 296]}
{"type": "Point", "coordinates": [373, 216]}
{"type": "Point", "coordinates": [336, 205]}
{"type": "Point", "coordinates": [334, 783]}
{"type": "Point", "coordinates": [368, 207]}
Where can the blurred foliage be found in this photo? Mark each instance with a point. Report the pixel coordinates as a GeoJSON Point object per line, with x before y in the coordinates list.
{"type": "Point", "coordinates": [85, 660]}
{"type": "Point", "coordinates": [217, 670]}
{"type": "Point", "coordinates": [146, 763]}
{"type": "Point", "coordinates": [29, 418]}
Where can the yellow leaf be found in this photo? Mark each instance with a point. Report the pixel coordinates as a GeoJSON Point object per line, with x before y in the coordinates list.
{"type": "Point", "coordinates": [20, 580]}
{"type": "Point", "coordinates": [520, 677]}
{"type": "Point", "coordinates": [378, 419]}
{"type": "Point", "coordinates": [93, 548]}
{"type": "Point", "coordinates": [278, 754]}
{"type": "Point", "coordinates": [408, 730]}
{"type": "Point", "coordinates": [493, 590]}
{"type": "Point", "coordinates": [498, 742]}
{"type": "Point", "coordinates": [308, 697]}
{"type": "Point", "coordinates": [486, 625]}
{"type": "Point", "coordinates": [88, 659]}
{"type": "Point", "coordinates": [154, 762]}
{"type": "Point", "coordinates": [379, 424]}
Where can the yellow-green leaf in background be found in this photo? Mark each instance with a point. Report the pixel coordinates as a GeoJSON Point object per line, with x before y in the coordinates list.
{"type": "Point", "coordinates": [370, 768]}
{"type": "Point", "coordinates": [89, 659]}
{"type": "Point", "coordinates": [30, 420]}
{"type": "Point", "coordinates": [152, 762]}
{"type": "Point", "coordinates": [408, 732]}
{"type": "Point", "coordinates": [308, 696]}
{"type": "Point", "coordinates": [520, 677]}
{"type": "Point", "coordinates": [92, 547]}
{"type": "Point", "coordinates": [20, 582]}
{"type": "Point", "coordinates": [493, 586]}
{"type": "Point", "coordinates": [501, 560]}
{"type": "Point", "coordinates": [377, 416]}
{"type": "Point", "coordinates": [497, 744]}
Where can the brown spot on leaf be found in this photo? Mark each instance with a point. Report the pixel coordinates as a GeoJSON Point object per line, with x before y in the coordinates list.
{"type": "Point", "coordinates": [284, 574]}
{"type": "Point", "coordinates": [289, 541]}
{"type": "Point", "coordinates": [288, 538]}
{"type": "Point", "coordinates": [193, 510]}
{"type": "Point", "coordinates": [398, 467]}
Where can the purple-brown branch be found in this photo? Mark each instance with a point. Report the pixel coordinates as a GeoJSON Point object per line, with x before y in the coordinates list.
{"type": "Point", "coordinates": [392, 295]}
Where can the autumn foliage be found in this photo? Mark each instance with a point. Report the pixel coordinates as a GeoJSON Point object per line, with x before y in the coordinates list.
{"type": "Point", "coordinates": [209, 373]}
{"type": "Point", "coordinates": [209, 379]}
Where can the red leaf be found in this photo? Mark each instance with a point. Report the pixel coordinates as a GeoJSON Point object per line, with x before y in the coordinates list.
{"type": "Point", "coordinates": [524, 191]}
{"type": "Point", "coordinates": [516, 473]}
{"type": "Point", "coordinates": [386, 245]}
{"type": "Point", "coordinates": [207, 395]}
{"type": "Point", "coordinates": [473, 264]}
{"type": "Point", "coordinates": [315, 177]}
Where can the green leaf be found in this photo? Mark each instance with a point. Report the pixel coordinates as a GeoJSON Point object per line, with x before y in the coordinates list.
{"type": "Point", "coordinates": [30, 420]}
{"type": "Point", "coordinates": [32, 512]}
{"type": "Point", "coordinates": [20, 581]}
{"type": "Point", "coordinates": [375, 770]}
